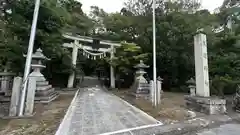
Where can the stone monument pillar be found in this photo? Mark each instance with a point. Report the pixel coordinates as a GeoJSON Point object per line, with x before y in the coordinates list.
{"type": "Point", "coordinates": [201, 65]}
{"type": "Point", "coordinates": [30, 96]}
{"type": "Point", "coordinates": [14, 103]}
{"type": "Point", "coordinates": [202, 101]}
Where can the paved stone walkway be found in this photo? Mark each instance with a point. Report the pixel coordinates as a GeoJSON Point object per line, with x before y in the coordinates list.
{"type": "Point", "coordinates": [96, 111]}
{"type": "Point", "coordinates": [227, 129]}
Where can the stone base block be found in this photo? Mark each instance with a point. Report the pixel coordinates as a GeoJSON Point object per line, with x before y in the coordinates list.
{"type": "Point", "coordinates": [43, 88]}
{"type": "Point", "coordinates": [206, 105]}
{"type": "Point", "coordinates": [40, 83]}
{"type": "Point", "coordinates": [141, 95]}
{"type": "Point", "coordinates": [5, 101]}
{"type": "Point", "coordinates": [44, 92]}
{"type": "Point", "coordinates": [48, 98]}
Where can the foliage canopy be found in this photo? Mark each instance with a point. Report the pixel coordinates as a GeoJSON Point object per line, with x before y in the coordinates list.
{"type": "Point", "coordinates": [176, 24]}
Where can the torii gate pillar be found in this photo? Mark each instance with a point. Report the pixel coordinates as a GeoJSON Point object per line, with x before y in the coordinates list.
{"type": "Point", "coordinates": [112, 75]}
{"type": "Point", "coordinates": [74, 62]}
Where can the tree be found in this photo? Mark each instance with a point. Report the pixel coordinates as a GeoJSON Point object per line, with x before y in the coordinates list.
{"type": "Point", "coordinates": [175, 29]}
{"type": "Point", "coordinates": [80, 23]}
{"type": "Point", "coordinates": [230, 3]}
{"type": "Point", "coordinates": [177, 23]}
{"type": "Point", "coordinates": [48, 36]}
{"type": "Point", "coordinates": [55, 17]}
{"type": "Point", "coordinates": [126, 57]}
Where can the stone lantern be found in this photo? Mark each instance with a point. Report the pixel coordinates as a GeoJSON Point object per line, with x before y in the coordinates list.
{"type": "Point", "coordinates": [37, 65]}
{"type": "Point", "coordinates": [192, 86]}
{"type": "Point", "coordinates": [44, 92]}
{"type": "Point", "coordinates": [140, 72]}
{"type": "Point", "coordinates": [141, 87]}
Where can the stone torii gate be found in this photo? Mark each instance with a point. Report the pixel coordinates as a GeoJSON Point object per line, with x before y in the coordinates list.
{"type": "Point", "coordinates": [87, 45]}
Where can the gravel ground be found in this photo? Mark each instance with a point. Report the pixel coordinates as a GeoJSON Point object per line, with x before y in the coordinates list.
{"type": "Point", "coordinates": [45, 121]}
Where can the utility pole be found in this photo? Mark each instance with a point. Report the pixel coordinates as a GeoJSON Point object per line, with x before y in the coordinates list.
{"type": "Point", "coordinates": [29, 58]}
{"type": "Point", "coordinates": [154, 55]}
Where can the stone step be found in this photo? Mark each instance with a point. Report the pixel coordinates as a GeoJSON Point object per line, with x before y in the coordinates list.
{"type": "Point", "coordinates": [44, 87]}
{"type": "Point", "coordinates": [44, 92]}
{"type": "Point", "coordinates": [47, 99]}
{"type": "Point", "coordinates": [39, 83]}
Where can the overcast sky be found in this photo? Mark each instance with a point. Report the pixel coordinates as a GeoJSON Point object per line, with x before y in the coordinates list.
{"type": "Point", "coordinates": [116, 5]}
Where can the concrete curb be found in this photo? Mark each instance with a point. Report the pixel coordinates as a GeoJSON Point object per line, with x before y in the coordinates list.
{"type": "Point", "coordinates": [142, 112]}
{"type": "Point", "coordinates": [65, 123]}
{"type": "Point", "coordinates": [130, 129]}
{"type": "Point", "coordinates": [190, 127]}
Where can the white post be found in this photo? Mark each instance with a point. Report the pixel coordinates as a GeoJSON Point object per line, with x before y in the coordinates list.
{"type": "Point", "coordinates": [201, 65]}
{"type": "Point", "coordinates": [15, 96]}
{"type": "Point", "coordinates": [29, 56]}
{"type": "Point", "coordinates": [154, 53]}
{"type": "Point", "coordinates": [74, 62]}
{"type": "Point", "coordinates": [112, 75]}
{"type": "Point", "coordinates": [159, 89]}
{"type": "Point", "coordinates": [30, 96]}
{"type": "Point", "coordinates": [152, 93]}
